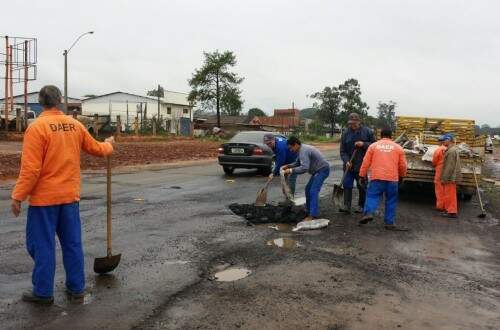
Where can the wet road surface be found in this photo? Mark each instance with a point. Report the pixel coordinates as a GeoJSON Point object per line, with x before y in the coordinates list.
{"type": "Point", "coordinates": [175, 234]}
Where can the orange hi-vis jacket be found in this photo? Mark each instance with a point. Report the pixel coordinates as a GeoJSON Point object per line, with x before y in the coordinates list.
{"type": "Point", "coordinates": [386, 161]}
{"type": "Point", "coordinates": [50, 164]}
{"type": "Point", "coordinates": [438, 161]}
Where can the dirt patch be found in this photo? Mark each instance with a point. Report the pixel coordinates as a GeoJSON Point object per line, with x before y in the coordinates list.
{"type": "Point", "coordinates": [126, 154]}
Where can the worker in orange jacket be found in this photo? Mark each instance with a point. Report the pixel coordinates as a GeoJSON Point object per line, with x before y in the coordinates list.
{"type": "Point", "coordinates": [437, 162]}
{"type": "Point", "coordinates": [386, 161]}
{"type": "Point", "coordinates": [50, 177]}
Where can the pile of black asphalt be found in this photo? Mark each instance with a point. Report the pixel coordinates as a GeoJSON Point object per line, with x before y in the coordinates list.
{"type": "Point", "coordinates": [270, 213]}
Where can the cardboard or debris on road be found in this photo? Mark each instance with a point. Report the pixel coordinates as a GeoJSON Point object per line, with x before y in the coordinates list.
{"type": "Point", "coordinates": [269, 213]}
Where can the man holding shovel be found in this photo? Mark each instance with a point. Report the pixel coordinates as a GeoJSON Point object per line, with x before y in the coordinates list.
{"type": "Point", "coordinates": [310, 160]}
{"type": "Point", "coordinates": [50, 176]}
{"type": "Point", "coordinates": [355, 141]}
{"type": "Point", "coordinates": [283, 156]}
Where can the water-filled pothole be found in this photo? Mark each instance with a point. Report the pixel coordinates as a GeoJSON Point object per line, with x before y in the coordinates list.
{"type": "Point", "coordinates": [285, 243]}
{"type": "Point", "coordinates": [269, 213]}
{"type": "Point", "coordinates": [231, 274]}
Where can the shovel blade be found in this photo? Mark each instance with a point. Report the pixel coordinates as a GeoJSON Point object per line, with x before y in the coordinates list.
{"type": "Point", "coordinates": [261, 199]}
{"type": "Point", "coordinates": [338, 195]}
{"type": "Point", "coordinates": [106, 264]}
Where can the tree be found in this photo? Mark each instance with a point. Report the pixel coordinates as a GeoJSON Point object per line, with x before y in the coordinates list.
{"type": "Point", "coordinates": [387, 114]}
{"type": "Point", "coordinates": [328, 105]}
{"type": "Point", "coordinates": [213, 85]}
{"type": "Point", "coordinates": [350, 92]}
{"type": "Point", "coordinates": [256, 112]}
{"type": "Point", "coordinates": [309, 113]}
{"type": "Point", "coordinates": [158, 92]}
{"type": "Point", "coordinates": [230, 102]}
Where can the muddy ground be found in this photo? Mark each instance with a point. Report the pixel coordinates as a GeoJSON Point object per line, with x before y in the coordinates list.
{"type": "Point", "coordinates": [175, 232]}
{"type": "Point", "coordinates": [126, 154]}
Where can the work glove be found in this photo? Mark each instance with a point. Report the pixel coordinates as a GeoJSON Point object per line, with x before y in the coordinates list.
{"type": "Point", "coordinates": [271, 176]}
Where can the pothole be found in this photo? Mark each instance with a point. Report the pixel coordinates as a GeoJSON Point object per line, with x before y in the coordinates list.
{"type": "Point", "coordinates": [232, 274]}
{"type": "Point", "coordinates": [284, 243]}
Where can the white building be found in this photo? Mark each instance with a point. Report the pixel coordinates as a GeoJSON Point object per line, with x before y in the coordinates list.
{"type": "Point", "coordinates": [173, 107]}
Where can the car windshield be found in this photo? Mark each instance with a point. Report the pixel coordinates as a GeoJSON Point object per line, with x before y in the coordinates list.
{"type": "Point", "coordinates": [248, 137]}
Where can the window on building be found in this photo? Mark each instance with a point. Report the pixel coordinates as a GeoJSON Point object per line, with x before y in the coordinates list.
{"type": "Point", "coordinates": [185, 111]}
{"type": "Point", "coordinates": [169, 110]}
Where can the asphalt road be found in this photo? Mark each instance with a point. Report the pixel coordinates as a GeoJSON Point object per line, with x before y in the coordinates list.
{"type": "Point", "coordinates": [174, 231]}
{"type": "Point", "coordinates": [161, 220]}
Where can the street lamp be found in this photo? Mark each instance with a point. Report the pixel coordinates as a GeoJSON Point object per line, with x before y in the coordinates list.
{"type": "Point", "coordinates": [65, 53]}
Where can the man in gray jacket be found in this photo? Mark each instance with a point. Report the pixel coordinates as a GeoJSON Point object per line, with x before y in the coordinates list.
{"type": "Point", "coordinates": [312, 161]}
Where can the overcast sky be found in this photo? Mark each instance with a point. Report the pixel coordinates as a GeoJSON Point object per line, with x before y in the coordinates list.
{"type": "Point", "coordinates": [433, 57]}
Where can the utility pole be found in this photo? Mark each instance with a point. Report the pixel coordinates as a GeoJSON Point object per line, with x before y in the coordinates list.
{"type": "Point", "coordinates": [6, 99]}
{"type": "Point", "coordinates": [25, 124]}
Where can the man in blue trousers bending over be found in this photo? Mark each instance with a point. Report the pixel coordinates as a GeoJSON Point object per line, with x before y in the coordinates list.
{"type": "Point", "coordinates": [312, 161]}
{"type": "Point", "coordinates": [283, 156]}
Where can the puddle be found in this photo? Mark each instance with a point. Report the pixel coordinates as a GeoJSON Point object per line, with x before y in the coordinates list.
{"type": "Point", "coordinates": [175, 187]}
{"type": "Point", "coordinates": [279, 227]}
{"type": "Point", "coordinates": [175, 262]}
{"type": "Point", "coordinates": [285, 243]}
{"type": "Point", "coordinates": [138, 199]}
{"type": "Point", "coordinates": [232, 274]}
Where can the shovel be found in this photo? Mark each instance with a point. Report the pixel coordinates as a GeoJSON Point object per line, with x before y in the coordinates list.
{"type": "Point", "coordinates": [338, 189]}
{"type": "Point", "coordinates": [483, 212]}
{"type": "Point", "coordinates": [110, 262]}
{"type": "Point", "coordinates": [262, 195]}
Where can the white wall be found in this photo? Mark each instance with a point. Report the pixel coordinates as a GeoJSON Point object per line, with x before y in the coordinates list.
{"type": "Point", "coordinates": [116, 104]}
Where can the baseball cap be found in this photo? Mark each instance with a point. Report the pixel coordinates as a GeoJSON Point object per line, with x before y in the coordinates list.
{"type": "Point", "coordinates": [448, 137]}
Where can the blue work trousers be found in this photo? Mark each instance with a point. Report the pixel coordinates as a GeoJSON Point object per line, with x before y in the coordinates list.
{"type": "Point", "coordinates": [377, 189]}
{"type": "Point", "coordinates": [44, 222]}
{"type": "Point", "coordinates": [292, 182]}
{"type": "Point", "coordinates": [313, 188]}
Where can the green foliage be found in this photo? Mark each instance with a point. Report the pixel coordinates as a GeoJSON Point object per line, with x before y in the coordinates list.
{"type": "Point", "coordinates": [309, 113]}
{"type": "Point", "coordinates": [158, 92]}
{"type": "Point", "coordinates": [350, 91]}
{"type": "Point", "coordinates": [215, 86]}
{"type": "Point", "coordinates": [256, 112]}
{"type": "Point", "coordinates": [328, 105]}
{"type": "Point", "coordinates": [387, 114]}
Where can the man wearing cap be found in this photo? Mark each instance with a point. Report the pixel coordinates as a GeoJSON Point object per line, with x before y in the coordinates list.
{"type": "Point", "coordinates": [283, 156]}
{"type": "Point", "coordinates": [50, 177]}
{"type": "Point", "coordinates": [356, 138]}
{"type": "Point", "coordinates": [450, 175]}
{"type": "Point", "coordinates": [437, 162]}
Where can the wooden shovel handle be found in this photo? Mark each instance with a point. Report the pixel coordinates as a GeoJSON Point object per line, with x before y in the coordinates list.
{"type": "Point", "coordinates": [108, 204]}
{"type": "Point", "coordinates": [347, 169]}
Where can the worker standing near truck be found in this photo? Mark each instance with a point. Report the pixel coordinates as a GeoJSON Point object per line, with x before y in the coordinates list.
{"type": "Point", "coordinates": [437, 162]}
{"type": "Point", "coordinates": [386, 162]}
{"type": "Point", "coordinates": [50, 176]}
{"type": "Point", "coordinates": [356, 138]}
{"type": "Point", "coordinates": [283, 156]}
{"type": "Point", "coordinates": [450, 175]}
{"type": "Point", "coordinates": [312, 161]}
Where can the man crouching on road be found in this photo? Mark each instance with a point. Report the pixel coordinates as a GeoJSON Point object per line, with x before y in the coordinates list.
{"type": "Point", "coordinates": [310, 160]}
{"type": "Point", "coordinates": [50, 176]}
{"type": "Point", "coordinates": [387, 163]}
{"type": "Point", "coordinates": [283, 156]}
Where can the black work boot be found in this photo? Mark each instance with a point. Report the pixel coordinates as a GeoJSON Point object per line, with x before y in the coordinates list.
{"type": "Point", "coordinates": [30, 297]}
{"type": "Point", "coordinates": [347, 201]}
{"type": "Point", "coordinates": [73, 295]}
{"type": "Point", "coordinates": [365, 219]}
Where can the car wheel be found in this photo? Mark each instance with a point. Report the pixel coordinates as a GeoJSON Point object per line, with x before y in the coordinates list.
{"type": "Point", "coordinates": [228, 170]}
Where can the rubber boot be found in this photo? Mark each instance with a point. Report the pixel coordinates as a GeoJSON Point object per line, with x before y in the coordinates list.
{"type": "Point", "coordinates": [347, 201]}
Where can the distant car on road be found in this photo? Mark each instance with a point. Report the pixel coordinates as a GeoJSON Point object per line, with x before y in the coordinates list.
{"type": "Point", "coordinates": [247, 150]}
{"type": "Point", "coordinates": [489, 144]}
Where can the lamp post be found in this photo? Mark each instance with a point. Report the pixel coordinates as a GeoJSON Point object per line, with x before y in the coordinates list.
{"type": "Point", "coordinates": [65, 53]}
